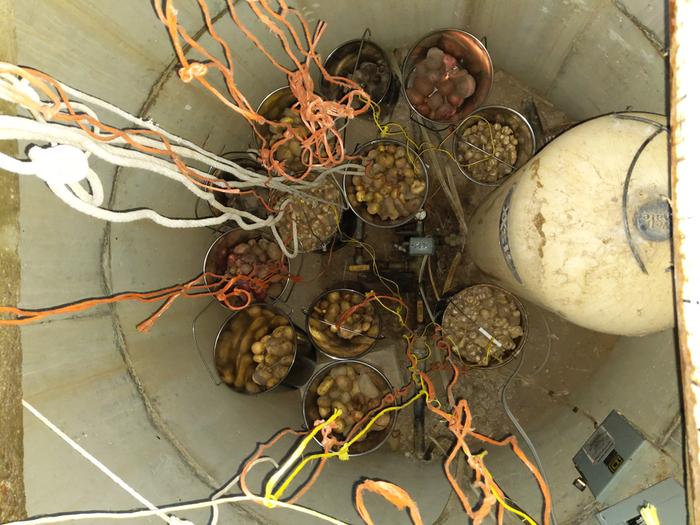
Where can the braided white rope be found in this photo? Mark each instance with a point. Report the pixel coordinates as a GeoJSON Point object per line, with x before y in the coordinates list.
{"type": "Point", "coordinates": [96, 462]}
{"type": "Point", "coordinates": [64, 165]}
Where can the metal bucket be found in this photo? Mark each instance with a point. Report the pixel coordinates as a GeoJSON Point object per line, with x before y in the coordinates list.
{"type": "Point", "coordinates": [346, 58]}
{"type": "Point", "coordinates": [314, 242]}
{"type": "Point", "coordinates": [272, 108]}
{"type": "Point", "coordinates": [215, 258]}
{"type": "Point", "coordinates": [519, 342]}
{"type": "Point", "coordinates": [336, 347]}
{"type": "Point", "coordinates": [249, 203]}
{"type": "Point", "coordinates": [471, 55]}
{"type": "Point", "coordinates": [240, 324]}
{"type": "Point", "coordinates": [362, 213]}
{"type": "Point", "coordinates": [374, 439]}
{"type": "Point", "coordinates": [501, 115]}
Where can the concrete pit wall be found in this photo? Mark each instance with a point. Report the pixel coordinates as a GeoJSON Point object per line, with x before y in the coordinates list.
{"type": "Point", "coordinates": [135, 400]}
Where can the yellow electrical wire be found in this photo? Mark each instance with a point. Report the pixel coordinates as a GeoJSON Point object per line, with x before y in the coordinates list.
{"type": "Point", "coordinates": [342, 453]}
{"type": "Point", "coordinates": [650, 515]}
{"type": "Point", "coordinates": [373, 256]}
{"type": "Point", "coordinates": [296, 454]}
{"type": "Point", "coordinates": [396, 312]}
{"type": "Point", "coordinates": [515, 511]}
{"type": "Point", "coordinates": [488, 476]}
{"type": "Point", "coordinates": [385, 130]}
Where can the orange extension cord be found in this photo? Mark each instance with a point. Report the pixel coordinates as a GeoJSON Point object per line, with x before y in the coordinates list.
{"type": "Point", "coordinates": [321, 143]}
{"type": "Point", "coordinates": [224, 288]}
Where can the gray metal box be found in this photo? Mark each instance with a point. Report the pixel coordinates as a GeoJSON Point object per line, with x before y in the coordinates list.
{"type": "Point", "coordinates": [607, 452]}
{"type": "Point", "coordinates": [668, 497]}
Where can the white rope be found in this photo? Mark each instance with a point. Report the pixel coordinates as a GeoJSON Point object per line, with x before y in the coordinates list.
{"type": "Point", "coordinates": [161, 512]}
{"type": "Point", "coordinates": [92, 459]}
{"type": "Point", "coordinates": [64, 164]}
{"type": "Point", "coordinates": [234, 481]}
{"type": "Point", "coordinates": [203, 504]}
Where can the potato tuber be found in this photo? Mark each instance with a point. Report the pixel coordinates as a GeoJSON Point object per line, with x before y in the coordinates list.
{"type": "Point", "coordinates": [316, 215]}
{"type": "Point", "coordinates": [489, 308]}
{"type": "Point", "coordinates": [439, 85]}
{"type": "Point", "coordinates": [334, 393]}
{"type": "Point", "coordinates": [257, 348]}
{"type": "Point", "coordinates": [390, 168]}
{"type": "Point", "coordinates": [339, 323]}
{"type": "Point", "coordinates": [497, 140]}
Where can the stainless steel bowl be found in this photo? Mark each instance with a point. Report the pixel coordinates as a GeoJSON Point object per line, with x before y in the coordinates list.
{"type": "Point", "coordinates": [272, 107]}
{"type": "Point", "coordinates": [471, 54]}
{"type": "Point", "coordinates": [303, 363]}
{"type": "Point", "coordinates": [341, 62]}
{"type": "Point", "coordinates": [215, 258]}
{"type": "Point", "coordinates": [374, 440]}
{"type": "Point", "coordinates": [342, 348]}
{"type": "Point", "coordinates": [519, 344]}
{"type": "Point", "coordinates": [361, 211]}
{"type": "Point", "coordinates": [501, 115]}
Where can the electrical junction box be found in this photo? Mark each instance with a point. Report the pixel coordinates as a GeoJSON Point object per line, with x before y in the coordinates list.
{"type": "Point", "coordinates": [606, 454]}
{"type": "Point", "coordinates": [668, 497]}
{"type": "Point", "coordinates": [421, 246]}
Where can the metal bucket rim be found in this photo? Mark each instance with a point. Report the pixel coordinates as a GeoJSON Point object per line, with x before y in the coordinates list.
{"type": "Point", "coordinates": [404, 73]}
{"type": "Point", "coordinates": [332, 364]}
{"type": "Point", "coordinates": [278, 311]}
{"type": "Point", "coordinates": [267, 97]}
{"type": "Point", "coordinates": [287, 281]}
{"type": "Point", "coordinates": [398, 222]}
{"type": "Point", "coordinates": [276, 195]}
{"type": "Point", "coordinates": [366, 41]}
{"type": "Point", "coordinates": [233, 156]}
{"type": "Point", "coordinates": [459, 127]}
{"type": "Point", "coordinates": [523, 322]}
{"type": "Point", "coordinates": [318, 346]}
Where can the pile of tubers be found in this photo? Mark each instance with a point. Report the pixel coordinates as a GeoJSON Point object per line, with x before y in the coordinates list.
{"type": "Point", "coordinates": [316, 216]}
{"type": "Point", "coordinates": [373, 77]}
{"type": "Point", "coordinates": [355, 390]}
{"type": "Point", "coordinates": [393, 186]}
{"type": "Point", "coordinates": [261, 259]}
{"type": "Point", "coordinates": [499, 141]}
{"type": "Point", "coordinates": [289, 152]}
{"type": "Point", "coordinates": [439, 86]}
{"type": "Point", "coordinates": [354, 335]}
{"type": "Point", "coordinates": [490, 308]}
{"type": "Point", "coordinates": [256, 350]}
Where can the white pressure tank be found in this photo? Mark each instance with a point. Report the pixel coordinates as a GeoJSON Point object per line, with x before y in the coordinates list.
{"type": "Point", "coordinates": [583, 229]}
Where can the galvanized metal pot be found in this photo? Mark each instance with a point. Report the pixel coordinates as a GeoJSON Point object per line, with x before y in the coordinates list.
{"type": "Point", "coordinates": [334, 346]}
{"type": "Point", "coordinates": [498, 115]}
{"type": "Point", "coordinates": [304, 356]}
{"type": "Point", "coordinates": [374, 439]}
{"type": "Point", "coordinates": [471, 54]}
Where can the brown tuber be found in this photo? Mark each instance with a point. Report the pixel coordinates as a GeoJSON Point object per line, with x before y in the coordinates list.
{"type": "Point", "coordinates": [340, 325]}
{"type": "Point", "coordinates": [334, 393]}
{"type": "Point", "coordinates": [439, 85]}
{"type": "Point", "coordinates": [390, 168]}
{"type": "Point", "coordinates": [491, 309]}
{"type": "Point", "coordinates": [256, 349]}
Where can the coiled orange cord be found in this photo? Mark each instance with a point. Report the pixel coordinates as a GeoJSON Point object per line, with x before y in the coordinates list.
{"type": "Point", "coordinates": [321, 143]}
